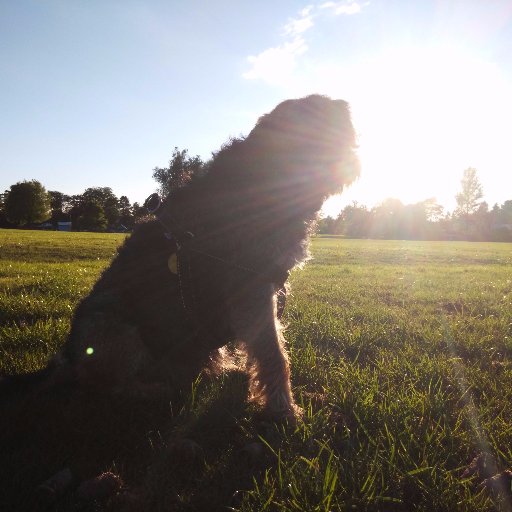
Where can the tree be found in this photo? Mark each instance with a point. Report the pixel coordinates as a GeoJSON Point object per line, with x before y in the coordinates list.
{"type": "Point", "coordinates": [501, 222]}
{"type": "Point", "coordinates": [327, 226]}
{"type": "Point", "coordinates": [433, 210]}
{"type": "Point", "coordinates": [102, 196]}
{"type": "Point", "coordinates": [468, 199]}
{"type": "Point", "coordinates": [126, 217]}
{"type": "Point", "coordinates": [92, 218]}
{"type": "Point", "coordinates": [182, 168]}
{"type": "Point", "coordinates": [355, 221]}
{"type": "Point", "coordinates": [387, 219]}
{"type": "Point", "coordinates": [27, 202]}
{"type": "Point", "coordinates": [506, 212]}
{"type": "Point", "coordinates": [112, 212]}
{"type": "Point", "coordinates": [139, 212]}
{"type": "Point", "coordinates": [4, 223]}
{"type": "Point", "coordinates": [76, 208]}
{"type": "Point", "coordinates": [60, 206]}
{"type": "Point", "coordinates": [468, 202]}
{"type": "Point", "coordinates": [106, 199]}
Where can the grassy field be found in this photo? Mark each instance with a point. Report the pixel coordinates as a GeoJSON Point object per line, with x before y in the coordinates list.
{"type": "Point", "coordinates": [401, 359]}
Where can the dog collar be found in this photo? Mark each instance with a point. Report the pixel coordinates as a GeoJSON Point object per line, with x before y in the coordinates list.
{"type": "Point", "coordinates": [172, 231]}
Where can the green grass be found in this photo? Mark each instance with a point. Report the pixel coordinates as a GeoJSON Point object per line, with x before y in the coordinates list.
{"type": "Point", "coordinates": [401, 359]}
{"type": "Point", "coordinates": [42, 277]}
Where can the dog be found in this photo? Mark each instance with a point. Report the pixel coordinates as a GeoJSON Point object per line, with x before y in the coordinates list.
{"type": "Point", "coordinates": [211, 265]}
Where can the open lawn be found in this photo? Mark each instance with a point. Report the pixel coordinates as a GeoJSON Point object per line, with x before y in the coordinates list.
{"type": "Point", "coordinates": [401, 359]}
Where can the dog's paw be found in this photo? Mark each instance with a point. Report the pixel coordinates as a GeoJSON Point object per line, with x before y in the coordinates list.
{"type": "Point", "coordinates": [281, 408]}
{"type": "Point", "coordinates": [294, 415]}
{"type": "Point", "coordinates": [291, 413]}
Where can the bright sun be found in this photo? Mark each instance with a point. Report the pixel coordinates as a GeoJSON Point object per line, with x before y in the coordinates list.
{"type": "Point", "coordinates": [424, 115]}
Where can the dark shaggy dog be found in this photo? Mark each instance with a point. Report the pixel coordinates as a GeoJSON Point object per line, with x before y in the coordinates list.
{"type": "Point", "coordinates": [207, 271]}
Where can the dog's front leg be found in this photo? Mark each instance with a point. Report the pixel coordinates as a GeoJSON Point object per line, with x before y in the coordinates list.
{"type": "Point", "coordinates": [255, 323]}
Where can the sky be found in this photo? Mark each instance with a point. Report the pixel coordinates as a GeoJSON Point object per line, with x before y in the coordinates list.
{"type": "Point", "coordinates": [99, 92]}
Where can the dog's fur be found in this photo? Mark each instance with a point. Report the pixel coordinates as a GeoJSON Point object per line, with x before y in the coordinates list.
{"type": "Point", "coordinates": [250, 216]}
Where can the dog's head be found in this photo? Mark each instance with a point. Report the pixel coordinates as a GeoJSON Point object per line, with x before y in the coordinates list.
{"type": "Point", "coordinates": [310, 141]}
{"type": "Point", "coordinates": [278, 176]}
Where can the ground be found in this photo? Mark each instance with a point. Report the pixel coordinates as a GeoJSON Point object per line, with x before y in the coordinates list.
{"type": "Point", "coordinates": [401, 358]}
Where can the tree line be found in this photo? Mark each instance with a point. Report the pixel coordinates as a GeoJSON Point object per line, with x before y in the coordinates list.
{"type": "Point", "coordinates": [426, 220]}
{"type": "Point", "coordinates": [28, 204]}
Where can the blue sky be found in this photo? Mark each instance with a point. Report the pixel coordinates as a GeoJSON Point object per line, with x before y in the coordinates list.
{"type": "Point", "coordinates": [97, 93]}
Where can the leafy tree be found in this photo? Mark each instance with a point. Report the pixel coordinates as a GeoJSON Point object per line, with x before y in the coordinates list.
{"type": "Point", "coordinates": [501, 222]}
{"type": "Point", "coordinates": [125, 212]}
{"type": "Point", "coordinates": [138, 211]}
{"type": "Point", "coordinates": [102, 196]}
{"type": "Point", "coordinates": [106, 199]}
{"type": "Point", "coordinates": [112, 212]}
{"type": "Point", "coordinates": [27, 202]}
{"type": "Point", "coordinates": [182, 168]}
{"type": "Point", "coordinates": [93, 218]}
{"type": "Point", "coordinates": [433, 210]}
{"type": "Point", "coordinates": [98, 194]}
{"type": "Point", "coordinates": [124, 204]}
{"type": "Point", "coordinates": [355, 221]}
{"type": "Point", "coordinates": [76, 208]}
{"type": "Point", "coordinates": [387, 219]}
{"type": "Point", "coordinates": [4, 223]}
{"type": "Point", "coordinates": [56, 200]}
{"type": "Point", "coordinates": [468, 202]}
{"type": "Point", "coordinates": [327, 226]}
{"type": "Point", "coordinates": [468, 199]}
{"type": "Point", "coordinates": [506, 212]}
{"type": "Point", "coordinates": [60, 205]}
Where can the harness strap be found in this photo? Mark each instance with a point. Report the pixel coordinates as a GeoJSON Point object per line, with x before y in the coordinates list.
{"type": "Point", "coordinates": [276, 275]}
{"type": "Point", "coordinates": [182, 266]}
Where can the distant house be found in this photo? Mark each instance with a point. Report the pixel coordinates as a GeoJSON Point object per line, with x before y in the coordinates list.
{"type": "Point", "coordinates": [63, 226]}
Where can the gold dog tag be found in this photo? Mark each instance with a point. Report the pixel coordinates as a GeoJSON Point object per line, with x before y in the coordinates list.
{"type": "Point", "coordinates": [172, 263]}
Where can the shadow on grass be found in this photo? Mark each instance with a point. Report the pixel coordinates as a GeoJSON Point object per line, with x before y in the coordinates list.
{"type": "Point", "coordinates": [172, 451]}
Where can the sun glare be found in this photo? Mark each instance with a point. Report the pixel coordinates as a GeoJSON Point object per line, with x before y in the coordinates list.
{"type": "Point", "coordinates": [425, 114]}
